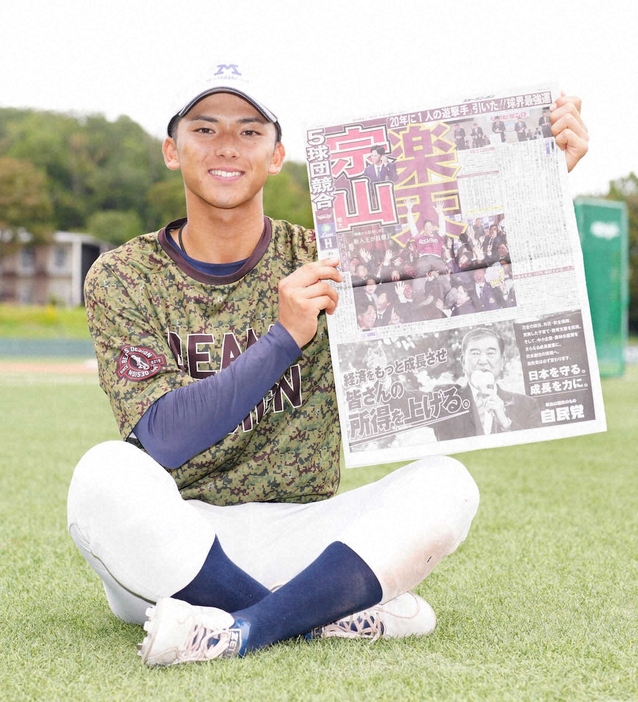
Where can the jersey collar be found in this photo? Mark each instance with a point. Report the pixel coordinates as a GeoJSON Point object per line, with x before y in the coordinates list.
{"type": "Point", "coordinates": [183, 264]}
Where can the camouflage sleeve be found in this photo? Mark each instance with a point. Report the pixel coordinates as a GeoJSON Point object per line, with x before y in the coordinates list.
{"type": "Point", "coordinates": [304, 242]}
{"type": "Point", "coordinates": [135, 363]}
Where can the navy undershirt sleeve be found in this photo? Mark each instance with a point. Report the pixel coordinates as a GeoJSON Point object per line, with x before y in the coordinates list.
{"type": "Point", "coordinates": [188, 420]}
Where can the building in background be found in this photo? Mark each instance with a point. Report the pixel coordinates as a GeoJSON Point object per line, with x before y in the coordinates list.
{"type": "Point", "coordinates": [40, 274]}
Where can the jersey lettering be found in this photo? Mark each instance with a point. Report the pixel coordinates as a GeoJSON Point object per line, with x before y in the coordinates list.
{"type": "Point", "coordinates": [230, 349]}
{"type": "Point", "coordinates": [175, 345]}
{"type": "Point", "coordinates": [198, 355]}
{"type": "Point", "coordinates": [291, 390]}
{"type": "Point", "coordinates": [288, 388]}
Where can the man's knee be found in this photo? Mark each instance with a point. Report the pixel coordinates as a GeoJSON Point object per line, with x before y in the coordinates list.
{"type": "Point", "coordinates": [419, 514]}
{"type": "Point", "coordinates": [112, 472]}
{"type": "Point", "coordinates": [458, 482]}
{"type": "Point", "coordinates": [112, 461]}
{"type": "Point", "coordinates": [125, 511]}
{"type": "Point", "coordinates": [442, 485]}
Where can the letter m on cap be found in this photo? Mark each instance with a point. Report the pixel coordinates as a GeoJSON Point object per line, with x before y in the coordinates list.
{"type": "Point", "coordinates": [227, 68]}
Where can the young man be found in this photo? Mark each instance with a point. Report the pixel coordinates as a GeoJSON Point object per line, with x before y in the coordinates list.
{"type": "Point", "coordinates": [379, 167]}
{"type": "Point", "coordinates": [212, 347]}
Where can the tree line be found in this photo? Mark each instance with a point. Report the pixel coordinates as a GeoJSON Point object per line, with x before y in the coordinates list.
{"type": "Point", "coordinates": [60, 172]}
{"type": "Point", "coordinates": [108, 178]}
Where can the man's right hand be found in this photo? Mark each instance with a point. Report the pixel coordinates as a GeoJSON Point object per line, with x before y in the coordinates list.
{"type": "Point", "coordinates": [304, 294]}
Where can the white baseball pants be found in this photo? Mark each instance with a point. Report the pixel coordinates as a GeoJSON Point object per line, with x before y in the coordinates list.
{"type": "Point", "coordinates": [129, 521]}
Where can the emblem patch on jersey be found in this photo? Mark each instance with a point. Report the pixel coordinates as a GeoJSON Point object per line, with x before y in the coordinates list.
{"type": "Point", "coordinates": [139, 363]}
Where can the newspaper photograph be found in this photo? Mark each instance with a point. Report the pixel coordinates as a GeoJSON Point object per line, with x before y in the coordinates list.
{"type": "Point", "coordinates": [463, 320]}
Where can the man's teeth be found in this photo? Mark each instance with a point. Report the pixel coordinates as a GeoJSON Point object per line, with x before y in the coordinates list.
{"type": "Point", "coordinates": [225, 174]}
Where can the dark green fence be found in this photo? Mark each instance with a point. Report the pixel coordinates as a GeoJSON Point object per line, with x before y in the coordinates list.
{"type": "Point", "coordinates": [604, 233]}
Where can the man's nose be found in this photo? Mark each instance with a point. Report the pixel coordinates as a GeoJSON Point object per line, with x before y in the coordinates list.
{"type": "Point", "coordinates": [226, 146]}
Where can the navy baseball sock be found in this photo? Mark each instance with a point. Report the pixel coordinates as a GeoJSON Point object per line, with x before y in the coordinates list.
{"type": "Point", "coordinates": [336, 584]}
{"type": "Point", "coordinates": [222, 584]}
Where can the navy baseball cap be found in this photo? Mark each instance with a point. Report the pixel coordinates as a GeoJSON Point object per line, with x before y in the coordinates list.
{"type": "Point", "coordinates": [225, 78]}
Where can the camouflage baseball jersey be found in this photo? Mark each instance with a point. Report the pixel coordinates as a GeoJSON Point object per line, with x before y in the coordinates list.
{"type": "Point", "coordinates": [158, 324]}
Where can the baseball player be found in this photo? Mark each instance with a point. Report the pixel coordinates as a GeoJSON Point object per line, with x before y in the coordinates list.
{"type": "Point", "coordinates": [215, 522]}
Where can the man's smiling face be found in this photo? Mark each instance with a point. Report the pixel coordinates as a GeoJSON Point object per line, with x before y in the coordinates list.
{"type": "Point", "coordinates": [225, 150]}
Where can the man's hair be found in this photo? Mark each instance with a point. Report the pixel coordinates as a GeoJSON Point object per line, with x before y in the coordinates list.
{"type": "Point", "coordinates": [481, 333]}
{"type": "Point", "coordinates": [379, 149]}
{"type": "Point", "coordinates": [361, 302]}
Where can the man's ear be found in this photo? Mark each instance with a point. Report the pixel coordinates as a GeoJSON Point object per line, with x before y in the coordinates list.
{"type": "Point", "coordinates": [278, 157]}
{"type": "Point", "coordinates": [169, 151]}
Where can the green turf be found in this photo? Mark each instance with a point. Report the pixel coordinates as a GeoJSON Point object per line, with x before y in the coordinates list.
{"type": "Point", "coordinates": [538, 604]}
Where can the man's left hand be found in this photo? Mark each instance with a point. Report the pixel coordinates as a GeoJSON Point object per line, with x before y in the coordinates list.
{"type": "Point", "coordinates": [569, 129]}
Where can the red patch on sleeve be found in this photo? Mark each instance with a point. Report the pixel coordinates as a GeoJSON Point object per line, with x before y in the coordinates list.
{"type": "Point", "coordinates": [139, 363]}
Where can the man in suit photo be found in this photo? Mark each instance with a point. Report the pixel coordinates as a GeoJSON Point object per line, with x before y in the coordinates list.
{"type": "Point", "coordinates": [487, 408]}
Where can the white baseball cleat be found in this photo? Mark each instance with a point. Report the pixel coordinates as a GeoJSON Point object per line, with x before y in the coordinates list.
{"type": "Point", "coordinates": [405, 615]}
{"type": "Point", "coordinates": [178, 632]}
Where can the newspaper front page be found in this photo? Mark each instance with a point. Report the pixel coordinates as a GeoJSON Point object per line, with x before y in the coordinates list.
{"type": "Point", "coordinates": [463, 319]}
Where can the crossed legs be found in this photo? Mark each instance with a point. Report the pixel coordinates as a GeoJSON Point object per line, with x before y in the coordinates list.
{"type": "Point", "coordinates": [130, 523]}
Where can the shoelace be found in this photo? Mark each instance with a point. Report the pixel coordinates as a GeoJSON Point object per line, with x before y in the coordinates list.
{"type": "Point", "coordinates": [205, 644]}
{"type": "Point", "coordinates": [367, 625]}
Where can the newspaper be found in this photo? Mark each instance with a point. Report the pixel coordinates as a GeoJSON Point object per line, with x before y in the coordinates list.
{"type": "Point", "coordinates": [463, 319]}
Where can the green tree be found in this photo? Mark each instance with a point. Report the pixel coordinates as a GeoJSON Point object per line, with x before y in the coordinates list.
{"type": "Point", "coordinates": [626, 190]}
{"type": "Point", "coordinates": [287, 196]}
{"type": "Point", "coordinates": [49, 141]}
{"type": "Point", "coordinates": [25, 202]}
{"type": "Point", "coordinates": [167, 200]}
{"type": "Point", "coordinates": [115, 226]}
{"type": "Point", "coordinates": [93, 165]}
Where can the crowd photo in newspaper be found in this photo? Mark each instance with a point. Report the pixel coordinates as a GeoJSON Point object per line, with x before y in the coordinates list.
{"type": "Point", "coordinates": [463, 319]}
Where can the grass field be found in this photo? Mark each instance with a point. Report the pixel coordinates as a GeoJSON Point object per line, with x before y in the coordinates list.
{"type": "Point", "coordinates": [540, 603]}
{"type": "Point", "coordinates": [48, 322]}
